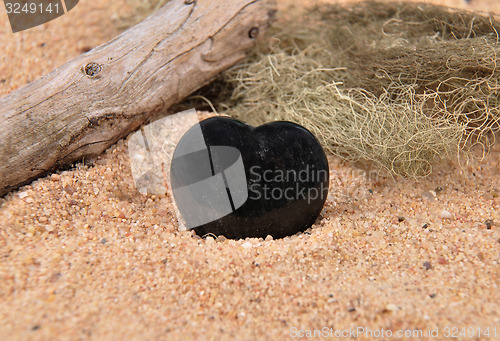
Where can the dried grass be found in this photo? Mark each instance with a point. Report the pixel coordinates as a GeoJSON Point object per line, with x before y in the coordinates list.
{"type": "Point", "coordinates": [400, 85]}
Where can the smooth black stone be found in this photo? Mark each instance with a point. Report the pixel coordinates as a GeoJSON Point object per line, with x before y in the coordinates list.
{"type": "Point", "coordinates": [217, 189]}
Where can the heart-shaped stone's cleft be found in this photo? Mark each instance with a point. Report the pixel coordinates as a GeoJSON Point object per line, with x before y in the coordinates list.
{"type": "Point", "coordinates": [229, 178]}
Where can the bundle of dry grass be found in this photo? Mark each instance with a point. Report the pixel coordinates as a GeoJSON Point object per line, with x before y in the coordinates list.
{"type": "Point", "coordinates": [400, 85]}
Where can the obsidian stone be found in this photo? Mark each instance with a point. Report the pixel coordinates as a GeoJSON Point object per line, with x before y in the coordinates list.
{"type": "Point", "coordinates": [229, 178]}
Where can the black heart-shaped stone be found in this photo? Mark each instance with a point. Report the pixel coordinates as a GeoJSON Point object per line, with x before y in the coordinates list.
{"type": "Point", "coordinates": [229, 178]}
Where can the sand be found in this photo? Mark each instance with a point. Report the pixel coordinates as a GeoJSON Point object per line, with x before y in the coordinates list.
{"type": "Point", "coordinates": [85, 256]}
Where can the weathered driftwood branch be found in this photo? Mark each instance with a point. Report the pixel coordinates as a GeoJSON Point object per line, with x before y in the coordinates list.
{"type": "Point", "coordinates": [86, 105]}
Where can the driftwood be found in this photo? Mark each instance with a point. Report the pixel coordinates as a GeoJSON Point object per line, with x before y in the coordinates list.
{"type": "Point", "coordinates": [89, 103]}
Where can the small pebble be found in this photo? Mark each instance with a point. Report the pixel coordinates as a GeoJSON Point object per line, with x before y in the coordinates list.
{"type": "Point", "coordinates": [246, 245]}
{"type": "Point", "coordinates": [442, 261]}
{"type": "Point", "coordinates": [104, 241]}
{"type": "Point", "coordinates": [55, 177]}
{"type": "Point", "coordinates": [351, 309]}
{"type": "Point", "coordinates": [221, 238]}
{"type": "Point", "coordinates": [438, 189]}
{"type": "Point", "coordinates": [429, 195]}
{"type": "Point", "coordinates": [446, 215]}
{"type": "Point", "coordinates": [23, 195]}
{"type": "Point", "coordinates": [268, 238]}
{"type": "Point", "coordinates": [425, 226]}
{"type": "Point", "coordinates": [432, 295]}
{"type": "Point", "coordinates": [68, 189]}
{"type": "Point", "coordinates": [391, 307]}
{"type": "Point", "coordinates": [427, 265]}
{"type": "Point", "coordinates": [489, 223]}
{"type": "Point", "coordinates": [480, 255]}
{"type": "Point", "coordinates": [401, 219]}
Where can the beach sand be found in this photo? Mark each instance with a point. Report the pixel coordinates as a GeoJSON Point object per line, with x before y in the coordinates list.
{"type": "Point", "coordinates": [83, 255]}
